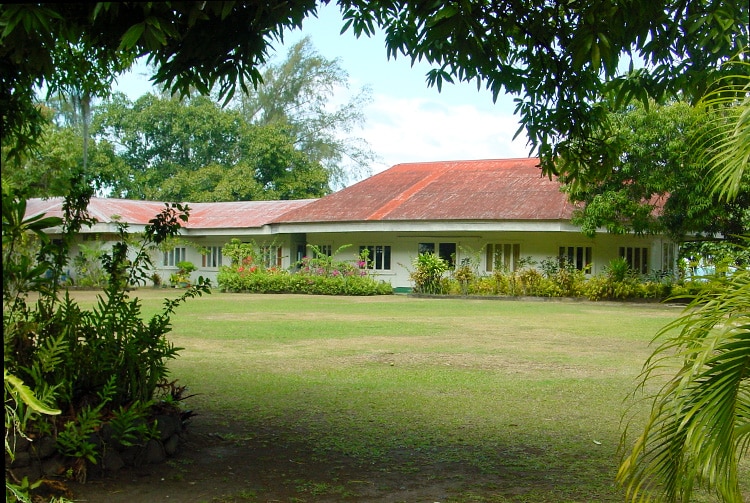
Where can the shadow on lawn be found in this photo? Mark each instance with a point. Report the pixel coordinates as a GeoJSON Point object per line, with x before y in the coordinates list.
{"type": "Point", "coordinates": [224, 460]}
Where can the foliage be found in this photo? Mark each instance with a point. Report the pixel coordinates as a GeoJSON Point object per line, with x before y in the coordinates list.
{"type": "Point", "coordinates": [428, 274]}
{"type": "Point", "coordinates": [557, 60]}
{"type": "Point", "coordinates": [644, 193]}
{"type": "Point", "coordinates": [561, 61]}
{"type": "Point", "coordinates": [21, 407]}
{"type": "Point", "coordinates": [553, 278]}
{"type": "Point", "coordinates": [725, 144]}
{"type": "Point", "coordinates": [86, 362]}
{"type": "Point", "coordinates": [48, 170]}
{"type": "Point", "coordinates": [317, 275]}
{"type": "Point", "coordinates": [296, 95]}
{"type": "Point", "coordinates": [87, 265]}
{"type": "Point", "coordinates": [698, 427]}
{"type": "Point", "coordinates": [700, 420]}
{"type": "Point", "coordinates": [194, 150]}
{"type": "Point", "coordinates": [87, 45]}
{"type": "Point", "coordinates": [182, 276]}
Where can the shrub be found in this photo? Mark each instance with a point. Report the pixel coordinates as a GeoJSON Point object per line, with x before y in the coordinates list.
{"type": "Point", "coordinates": [316, 275]}
{"type": "Point", "coordinates": [87, 363]}
{"type": "Point", "coordinates": [428, 274]}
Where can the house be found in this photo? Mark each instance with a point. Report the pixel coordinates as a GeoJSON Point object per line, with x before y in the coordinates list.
{"type": "Point", "coordinates": [497, 213]}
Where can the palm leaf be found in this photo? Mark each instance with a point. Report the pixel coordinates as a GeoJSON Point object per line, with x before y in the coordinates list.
{"type": "Point", "coordinates": [724, 145]}
{"type": "Point", "coordinates": [699, 424]}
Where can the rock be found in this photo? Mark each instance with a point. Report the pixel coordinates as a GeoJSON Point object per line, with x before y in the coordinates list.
{"type": "Point", "coordinates": [32, 472]}
{"type": "Point", "coordinates": [112, 461]}
{"type": "Point", "coordinates": [18, 443]}
{"type": "Point", "coordinates": [172, 444]}
{"type": "Point", "coordinates": [106, 433]}
{"type": "Point", "coordinates": [21, 460]}
{"type": "Point", "coordinates": [154, 452]}
{"type": "Point", "coordinates": [167, 425]}
{"type": "Point", "coordinates": [131, 455]}
{"type": "Point", "coordinates": [54, 466]}
{"type": "Point", "coordinates": [45, 447]}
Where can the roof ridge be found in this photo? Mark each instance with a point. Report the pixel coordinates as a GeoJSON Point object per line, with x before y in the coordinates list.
{"type": "Point", "coordinates": [404, 196]}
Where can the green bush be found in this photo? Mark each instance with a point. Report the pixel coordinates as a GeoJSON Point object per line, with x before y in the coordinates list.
{"type": "Point", "coordinates": [428, 274]}
{"type": "Point", "coordinates": [87, 363]}
{"type": "Point", "coordinates": [317, 275]}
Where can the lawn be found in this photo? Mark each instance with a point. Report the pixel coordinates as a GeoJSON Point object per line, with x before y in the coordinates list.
{"type": "Point", "coordinates": [419, 399]}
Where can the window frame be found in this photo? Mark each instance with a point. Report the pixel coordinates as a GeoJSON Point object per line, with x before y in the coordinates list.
{"type": "Point", "coordinates": [581, 256]}
{"type": "Point", "coordinates": [637, 257]}
{"type": "Point", "coordinates": [377, 261]}
{"type": "Point", "coordinates": [509, 254]}
{"type": "Point", "coordinates": [213, 259]}
{"type": "Point", "coordinates": [442, 249]}
{"type": "Point", "coordinates": [174, 256]}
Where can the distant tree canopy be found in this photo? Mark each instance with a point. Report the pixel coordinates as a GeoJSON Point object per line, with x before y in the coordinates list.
{"type": "Point", "coordinates": [656, 183]}
{"type": "Point", "coordinates": [193, 150]}
{"type": "Point", "coordinates": [282, 140]}
{"type": "Point", "coordinates": [296, 94]}
{"type": "Point", "coordinates": [561, 60]}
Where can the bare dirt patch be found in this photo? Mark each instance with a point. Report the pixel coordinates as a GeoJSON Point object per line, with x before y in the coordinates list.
{"type": "Point", "coordinates": [227, 461]}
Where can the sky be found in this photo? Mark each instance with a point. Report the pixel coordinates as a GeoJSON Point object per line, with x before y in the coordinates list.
{"type": "Point", "coordinates": [406, 121]}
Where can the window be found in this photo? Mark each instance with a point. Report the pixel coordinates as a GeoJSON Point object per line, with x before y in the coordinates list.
{"type": "Point", "coordinates": [212, 258]}
{"type": "Point", "coordinates": [301, 252]}
{"type": "Point", "coordinates": [426, 248]}
{"type": "Point", "coordinates": [637, 258]}
{"type": "Point", "coordinates": [446, 251]}
{"type": "Point", "coordinates": [174, 257]}
{"type": "Point", "coordinates": [325, 250]}
{"type": "Point", "coordinates": [270, 256]}
{"type": "Point", "coordinates": [577, 256]}
{"type": "Point", "coordinates": [667, 257]}
{"type": "Point", "coordinates": [504, 257]}
{"type": "Point", "coordinates": [378, 257]}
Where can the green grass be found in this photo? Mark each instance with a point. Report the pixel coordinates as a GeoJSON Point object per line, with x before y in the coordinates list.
{"type": "Point", "coordinates": [528, 394]}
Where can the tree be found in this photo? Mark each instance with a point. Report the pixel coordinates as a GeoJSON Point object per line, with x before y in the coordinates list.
{"type": "Point", "coordinates": [655, 184]}
{"type": "Point", "coordinates": [296, 94]}
{"type": "Point", "coordinates": [51, 168]}
{"type": "Point", "coordinates": [193, 150]}
{"type": "Point", "coordinates": [559, 59]}
{"type": "Point", "coordinates": [699, 426]}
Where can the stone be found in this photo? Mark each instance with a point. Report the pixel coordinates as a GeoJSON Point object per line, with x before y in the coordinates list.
{"type": "Point", "coordinates": [18, 443]}
{"type": "Point", "coordinates": [45, 447]}
{"type": "Point", "coordinates": [31, 472]}
{"type": "Point", "coordinates": [172, 444]}
{"type": "Point", "coordinates": [154, 452]}
{"type": "Point", "coordinates": [131, 455]}
{"type": "Point", "coordinates": [167, 425]}
{"type": "Point", "coordinates": [21, 460]}
{"type": "Point", "coordinates": [112, 460]}
{"type": "Point", "coordinates": [54, 466]}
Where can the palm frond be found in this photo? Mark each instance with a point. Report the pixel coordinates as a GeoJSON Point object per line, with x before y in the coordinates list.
{"type": "Point", "coordinates": [699, 426]}
{"type": "Point", "coordinates": [724, 145]}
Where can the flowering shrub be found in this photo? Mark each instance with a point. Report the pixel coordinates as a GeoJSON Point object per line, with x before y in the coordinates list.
{"type": "Point", "coordinates": [317, 275]}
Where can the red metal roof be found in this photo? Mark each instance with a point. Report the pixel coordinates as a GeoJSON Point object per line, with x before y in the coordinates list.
{"type": "Point", "coordinates": [500, 189]}
{"type": "Point", "coordinates": [243, 214]}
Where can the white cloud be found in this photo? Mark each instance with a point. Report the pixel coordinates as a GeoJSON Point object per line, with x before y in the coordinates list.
{"type": "Point", "coordinates": [418, 129]}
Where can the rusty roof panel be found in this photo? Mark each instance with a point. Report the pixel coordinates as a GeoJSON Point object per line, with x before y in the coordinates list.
{"type": "Point", "coordinates": [507, 189]}
{"type": "Point", "coordinates": [244, 214]}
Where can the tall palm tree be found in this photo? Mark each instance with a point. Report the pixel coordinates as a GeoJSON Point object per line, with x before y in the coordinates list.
{"type": "Point", "coordinates": [699, 426]}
